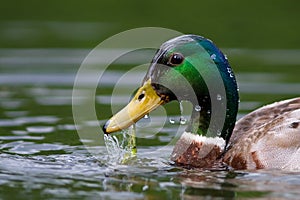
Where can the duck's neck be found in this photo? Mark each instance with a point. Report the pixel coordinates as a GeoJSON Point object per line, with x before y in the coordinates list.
{"type": "Point", "coordinates": [201, 119]}
{"type": "Point", "coordinates": [199, 122]}
{"type": "Point", "coordinates": [201, 149]}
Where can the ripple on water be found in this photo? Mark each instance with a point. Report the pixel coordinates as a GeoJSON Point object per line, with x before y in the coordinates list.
{"type": "Point", "coordinates": [6, 93]}
{"type": "Point", "coordinates": [37, 119]}
{"type": "Point", "coordinates": [30, 120]}
{"type": "Point", "coordinates": [16, 113]}
{"type": "Point", "coordinates": [11, 103]}
{"type": "Point", "coordinates": [27, 148]}
{"type": "Point", "coordinates": [54, 100]}
{"type": "Point", "coordinates": [40, 129]}
{"type": "Point", "coordinates": [19, 132]}
{"type": "Point", "coordinates": [22, 137]}
{"type": "Point", "coordinates": [9, 123]}
{"type": "Point", "coordinates": [67, 127]}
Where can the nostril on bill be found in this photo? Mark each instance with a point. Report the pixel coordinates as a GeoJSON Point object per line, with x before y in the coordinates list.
{"type": "Point", "coordinates": [141, 96]}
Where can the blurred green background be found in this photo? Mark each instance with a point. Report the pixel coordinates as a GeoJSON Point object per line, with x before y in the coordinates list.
{"type": "Point", "coordinates": [271, 24]}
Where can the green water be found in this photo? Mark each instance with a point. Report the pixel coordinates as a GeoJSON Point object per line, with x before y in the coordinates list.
{"type": "Point", "coordinates": [41, 48]}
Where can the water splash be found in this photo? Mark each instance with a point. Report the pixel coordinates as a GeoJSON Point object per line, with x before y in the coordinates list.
{"type": "Point", "coordinates": [121, 148]}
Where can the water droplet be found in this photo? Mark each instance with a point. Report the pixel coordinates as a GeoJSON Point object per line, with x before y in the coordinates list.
{"type": "Point", "coordinates": [182, 120]}
{"type": "Point", "coordinates": [219, 97]}
{"type": "Point", "coordinates": [213, 56]}
{"type": "Point", "coordinates": [146, 116]}
{"type": "Point", "coordinates": [172, 120]}
{"type": "Point", "coordinates": [197, 108]}
{"type": "Point", "coordinates": [208, 112]}
{"type": "Point", "coordinates": [230, 72]}
{"type": "Point", "coordinates": [219, 133]}
{"type": "Point", "coordinates": [145, 187]}
{"type": "Point", "coordinates": [226, 57]}
{"type": "Point", "coordinates": [181, 107]}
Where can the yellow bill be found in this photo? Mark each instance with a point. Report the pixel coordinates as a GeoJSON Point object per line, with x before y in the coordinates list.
{"type": "Point", "coordinates": [144, 101]}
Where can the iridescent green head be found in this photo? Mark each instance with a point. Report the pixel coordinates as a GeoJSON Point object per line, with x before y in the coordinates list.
{"type": "Point", "coordinates": [189, 68]}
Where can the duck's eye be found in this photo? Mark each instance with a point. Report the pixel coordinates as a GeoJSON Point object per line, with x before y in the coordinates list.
{"type": "Point", "coordinates": [176, 59]}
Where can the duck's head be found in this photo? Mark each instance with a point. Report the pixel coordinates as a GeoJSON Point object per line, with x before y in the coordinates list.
{"type": "Point", "coordinates": [189, 68]}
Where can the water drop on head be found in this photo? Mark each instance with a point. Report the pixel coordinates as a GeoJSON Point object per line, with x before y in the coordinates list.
{"type": "Point", "coordinates": [213, 56]}
{"type": "Point", "coordinates": [197, 108]}
{"type": "Point", "coordinates": [219, 97]}
{"type": "Point", "coordinates": [230, 72]}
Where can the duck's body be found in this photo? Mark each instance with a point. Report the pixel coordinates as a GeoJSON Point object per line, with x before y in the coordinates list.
{"type": "Point", "coordinates": [268, 137]}
{"type": "Point", "coordinates": [192, 68]}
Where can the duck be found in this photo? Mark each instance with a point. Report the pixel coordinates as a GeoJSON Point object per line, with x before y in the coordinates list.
{"type": "Point", "coordinates": [192, 68]}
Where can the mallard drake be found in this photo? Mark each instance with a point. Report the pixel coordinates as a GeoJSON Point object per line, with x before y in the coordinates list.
{"type": "Point", "coordinates": [191, 68]}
